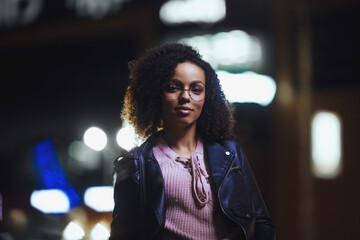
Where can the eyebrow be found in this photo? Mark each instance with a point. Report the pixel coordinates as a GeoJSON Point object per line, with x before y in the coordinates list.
{"type": "Point", "coordinates": [179, 82]}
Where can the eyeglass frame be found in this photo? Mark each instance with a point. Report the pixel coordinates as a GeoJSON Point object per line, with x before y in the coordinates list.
{"type": "Point", "coordinates": [182, 89]}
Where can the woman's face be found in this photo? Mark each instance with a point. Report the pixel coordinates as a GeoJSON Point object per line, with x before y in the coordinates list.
{"type": "Point", "coordinates": [184, 95]}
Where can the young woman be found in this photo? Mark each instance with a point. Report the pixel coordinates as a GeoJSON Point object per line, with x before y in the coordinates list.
{"type": "Point", "coordinates": [190, 179]}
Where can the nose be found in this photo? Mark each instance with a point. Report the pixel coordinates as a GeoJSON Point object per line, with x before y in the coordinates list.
{"type": "Point", "coordinates": [185, 95]}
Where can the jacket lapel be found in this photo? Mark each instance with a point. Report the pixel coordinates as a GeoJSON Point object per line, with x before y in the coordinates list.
{"type": "Point", "coordinates": [218, 160]}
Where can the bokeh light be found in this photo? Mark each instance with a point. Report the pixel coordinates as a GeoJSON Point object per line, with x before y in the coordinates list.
{"type": "Point", "coordinates": [127, 138]}
{"type": "Point", "coordinates": [248, 87]}
{"type": "Point", "coordinates": [326, 149]}
{"type": "Point", "coordinates": [235, 50]}
{"type": "Point", "coordinates": [73, 231]}
{"type": "Point", "coordinates": [198, 11]}
{"type": "Point", "coordinates": [85, 157]}
{"type": "Point", "coordinates": [50, 201]}
{"type": "Point", "coordinates": [100, 198]}
{"type": "Point", "coordinates": [95, 138]}
{"type": "Point", "coordinates": [100, 231]}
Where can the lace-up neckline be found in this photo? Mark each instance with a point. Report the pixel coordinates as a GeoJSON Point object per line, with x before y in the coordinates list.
{"type": "Point", "coordinates": [199, 176]}
{"type": "Point", "coordinates": [195, 165]}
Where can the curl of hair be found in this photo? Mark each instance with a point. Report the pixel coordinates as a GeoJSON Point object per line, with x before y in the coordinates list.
{"type": "Point", "coordinates": [143, 99]}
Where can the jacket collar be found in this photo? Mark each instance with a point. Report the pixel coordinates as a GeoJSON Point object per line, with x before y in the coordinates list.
{"type": "Point", "coordinates": [213, 151]}
{"type": "Point", "coordinates": [219, 160]}
{"type": "Point", "coordinates": [149, 144]}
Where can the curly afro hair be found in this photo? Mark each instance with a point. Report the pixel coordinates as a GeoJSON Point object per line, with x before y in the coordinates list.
{"type": "Point", "coordinates": [143, 99]}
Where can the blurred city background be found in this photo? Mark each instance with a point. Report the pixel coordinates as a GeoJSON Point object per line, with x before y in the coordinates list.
{"type": "Point", "coordinates": [289, 68]}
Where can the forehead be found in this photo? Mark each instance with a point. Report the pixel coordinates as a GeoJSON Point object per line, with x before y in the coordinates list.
{"type": "Point", "coordinates": [189, 72]}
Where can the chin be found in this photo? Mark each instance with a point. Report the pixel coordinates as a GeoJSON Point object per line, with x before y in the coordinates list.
{"type": "Point", "coordinates": [185, 123]}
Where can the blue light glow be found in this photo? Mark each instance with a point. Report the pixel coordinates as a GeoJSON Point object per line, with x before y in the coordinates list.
{"type": "Point", "coordinates": [50, 173]}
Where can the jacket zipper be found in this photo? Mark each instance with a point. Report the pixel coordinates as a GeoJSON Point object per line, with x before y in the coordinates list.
{"type": "Point", "coordinates": [220, 203]}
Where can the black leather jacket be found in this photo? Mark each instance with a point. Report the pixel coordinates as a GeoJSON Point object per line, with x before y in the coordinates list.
{"type": "Point", "coordinates": [139, 211]}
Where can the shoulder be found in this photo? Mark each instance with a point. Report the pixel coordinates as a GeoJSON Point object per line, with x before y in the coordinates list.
{"type": "Point", "coordinates": [125, 158]}
{"type": "Point", "coordinates": [230, 143]}
{"type": "Point", "coordinates": [125, 165]}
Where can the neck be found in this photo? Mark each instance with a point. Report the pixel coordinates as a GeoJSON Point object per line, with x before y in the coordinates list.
{"type": "Point", "coordinates": [181, 141]}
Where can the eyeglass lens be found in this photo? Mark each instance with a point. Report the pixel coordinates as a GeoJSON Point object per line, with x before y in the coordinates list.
{"type": "Point", "coordinates": [174, 89]}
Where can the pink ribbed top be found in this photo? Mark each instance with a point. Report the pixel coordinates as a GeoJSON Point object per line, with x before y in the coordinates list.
{"type": "Point", "coordinates": [189, 202]}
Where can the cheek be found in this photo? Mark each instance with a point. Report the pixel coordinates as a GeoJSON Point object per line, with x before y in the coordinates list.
{"type": "Point", "coordinates": [199, 105]}
{"type": "Point", "coordinates": [166, 106]}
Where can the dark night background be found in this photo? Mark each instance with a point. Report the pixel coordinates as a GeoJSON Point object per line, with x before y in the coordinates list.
{"type": "Point", "coordinates": [62, 74]}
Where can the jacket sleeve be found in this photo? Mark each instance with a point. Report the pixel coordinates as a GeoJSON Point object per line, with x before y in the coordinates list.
{"type": "Point", "coordinates": [126, 213]}
{"type": "Point", "coordinates": [264, 228]}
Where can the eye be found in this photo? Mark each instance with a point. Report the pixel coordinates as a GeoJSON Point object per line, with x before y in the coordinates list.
{"type": "Point", "coordinates": [197, 88]}
{"type": "Point", "coordinates": [172, 87]}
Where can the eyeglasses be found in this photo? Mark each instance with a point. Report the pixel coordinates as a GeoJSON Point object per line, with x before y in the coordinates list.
{"type": "Point", "coordinates": [174, 89]}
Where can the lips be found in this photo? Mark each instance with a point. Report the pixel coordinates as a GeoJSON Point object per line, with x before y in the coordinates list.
{"type": "Point", "coordinates": [183, 110]}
